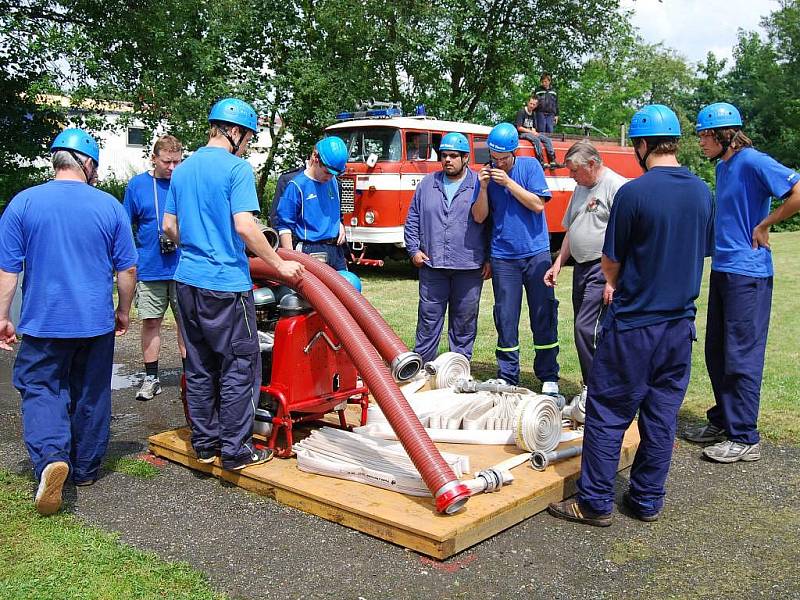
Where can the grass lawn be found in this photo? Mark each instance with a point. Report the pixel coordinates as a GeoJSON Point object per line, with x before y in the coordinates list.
{"type": "Point", "coordinates": [393, 291]}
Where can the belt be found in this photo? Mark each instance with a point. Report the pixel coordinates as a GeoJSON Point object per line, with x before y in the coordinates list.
{"type": "Point", "coordinates": [327, 242]}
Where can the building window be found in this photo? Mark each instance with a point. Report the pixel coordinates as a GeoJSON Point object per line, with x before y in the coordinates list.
{"type": "Point", "coordinates": [135, 136]}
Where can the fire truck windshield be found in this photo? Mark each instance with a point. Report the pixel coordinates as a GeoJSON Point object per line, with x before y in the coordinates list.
{"type": "Point", "coordinates": [384, 142]}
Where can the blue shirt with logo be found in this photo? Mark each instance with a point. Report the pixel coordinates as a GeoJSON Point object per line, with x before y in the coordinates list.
{"type": "Point", "coordinates": [746, 182]}
{"type": "Point", "coordinates": [70, 238]}
{"type": "Point", "coordinates": [310, 209]}
{"type": "Point", "coordinates": [141, 207]}
{"type": "Point", "coordinates": [659, 230]}
{"type": "Point", "coordinates": [517, 231]}
{"type": "Point", "coordinates": [207, 189]}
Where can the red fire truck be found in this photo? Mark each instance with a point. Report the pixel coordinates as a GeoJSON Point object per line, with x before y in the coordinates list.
{"type": "Point", "coordinates": [390, 154]}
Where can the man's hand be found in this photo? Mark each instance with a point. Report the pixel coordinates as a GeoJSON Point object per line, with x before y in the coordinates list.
{"type": "Point", "coordinates": [608, 294]}
{"type": "Point", "coordinates": [121, 321]}
{"type": "Point", "coordinates": [761, 237]}
{"type": "Point", "coordinates": [8, 335]}
{"type": "Point", "coordinates": [484, 175]}
{"type": "Point", "coordinates": [341, 239]}
{"type": "Point", "coordinates": [500, 177]}
{"type": "Point", "coordinates": [486, 271]}
{"type": "Point", "coordinates": [419, 259]}
{"type": "Point", "coordinates": [551, 277]}
{"type": "Point", "coordinates": [290, 269]}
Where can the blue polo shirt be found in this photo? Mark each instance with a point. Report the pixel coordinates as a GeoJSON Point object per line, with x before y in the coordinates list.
{"type": "Point", "coordinates": [659, 230]}
{"type": "Point", "coordinates": [207, 189]}
{"type": "Point", "coordinates": [309, 209]}
{"type": "Point", "coordinates": [746, 183]}
{"type": "Point", "coordinates": [71, 238]}
{"type": "Point", "coordinates": [140, 204]}
{"type": "Point", "coordinates": [517, 231]}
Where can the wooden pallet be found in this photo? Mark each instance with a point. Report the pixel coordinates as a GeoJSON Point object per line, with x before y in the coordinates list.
{"type": "Point", "coordinates": [404, 520]}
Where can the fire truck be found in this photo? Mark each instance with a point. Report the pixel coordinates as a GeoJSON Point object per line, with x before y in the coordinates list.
{"type": "Point", "coordinates": [391, 153]}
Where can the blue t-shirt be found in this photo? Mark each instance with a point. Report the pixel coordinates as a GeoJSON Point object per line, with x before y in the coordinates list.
{"type": "Point", "coordinates": [70, 238]}
{"type": "Point", "coordinates": [450, 189]}
{"type": "Point", "coordinates": [141, 207]}
{"type": "Point", "coordinates": [517, 231]}
{"type": "Point", "coordinates": [659, 230]}
{"type": "Point", "coordinates": [207, 189]}
{"type": "Point", "coordinates": [309, 209]}
{"type": "Point", "coordinates": [745, 184]}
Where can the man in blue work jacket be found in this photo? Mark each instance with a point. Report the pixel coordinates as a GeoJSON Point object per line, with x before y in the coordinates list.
{"type": "Point", "coordinates": [449, 248]}
{"type": "Point", "coordinates": [209, 213]}
{"type": "Point", "coordinates": [513, 192]}
{"type": "Point", "coordinates": [658, 233]}
{"type": "Point", "coordinates": [72, 238]}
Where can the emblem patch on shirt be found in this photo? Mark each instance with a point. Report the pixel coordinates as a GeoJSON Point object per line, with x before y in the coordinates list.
{"type": "Point", "coordinates": [591, 206]}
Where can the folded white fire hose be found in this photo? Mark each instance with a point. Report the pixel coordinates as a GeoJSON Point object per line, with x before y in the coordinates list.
{"type": "Point", "coordinates": [336, 453]}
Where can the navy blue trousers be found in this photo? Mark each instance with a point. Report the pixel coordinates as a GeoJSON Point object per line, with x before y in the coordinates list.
{"type": "Point", "coordinates": [647, 370]}
{"type": "Point", "coordinates": [335, 254]}
{"type": "Point", "coordinates": [736, 341]}
{"type": "Point", "coordinates": [223, 369]}
{"type": "Point", "coordinates": [65, 384]}
{"type": "Point", "coordinates": [545, 122]}
{"type": "Point", "coordinates": [588, 284]}
{"type": "Point", "coordinates": [509, 277]}
{"type": "Point", "coordinates": [458, 292]}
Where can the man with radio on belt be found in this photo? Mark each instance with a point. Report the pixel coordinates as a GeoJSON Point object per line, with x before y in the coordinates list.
{"type": "Point", "coordinates": [144, 202]}
{"type": "Point", "coordinates": [308, 214]}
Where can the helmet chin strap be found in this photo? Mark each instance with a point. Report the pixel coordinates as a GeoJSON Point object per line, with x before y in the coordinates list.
{"type": "Point", "coordinates": [725, 143]}
{"type": "Point", "coordinates": [643, 159]}
{"type": "Point", "coordinates": [80, 164]}
{"type": "Point", "coordinates": [228, 137]}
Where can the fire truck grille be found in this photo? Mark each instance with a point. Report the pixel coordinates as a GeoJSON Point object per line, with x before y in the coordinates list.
{"type": "Point", "coordinates": [347, 195]}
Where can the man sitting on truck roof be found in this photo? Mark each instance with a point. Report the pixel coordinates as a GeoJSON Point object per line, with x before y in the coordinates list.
{"type": "Point", "coordinates": [525, 122]}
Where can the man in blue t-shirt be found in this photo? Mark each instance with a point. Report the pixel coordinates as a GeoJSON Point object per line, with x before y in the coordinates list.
{"type": "Point", "coordinates": [658, 234]}
{"type": "Point", "coordinates": [145, 197]}
{"type": "Point", "coordinates": [209, 214]}
{"type": "Point", "coordinates": [513, 194]}
{"type": "Point", "coordinates": [309, 217]}
{"type": "Point", "coordinates": [71, 238]}
{"type": "Point", "coordinates": [740, 290]}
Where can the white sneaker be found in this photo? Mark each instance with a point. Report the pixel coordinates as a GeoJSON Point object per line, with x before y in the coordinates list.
{"type": "Point", "coordinates": [48, 495]}
{"type": "Point", "coordinates": [151, 387]}
{"type": "Point", "coordinates": [550, 388]}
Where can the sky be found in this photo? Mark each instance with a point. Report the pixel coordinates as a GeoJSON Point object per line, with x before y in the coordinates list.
{"type": "Point", "coordinates": [695, 27]}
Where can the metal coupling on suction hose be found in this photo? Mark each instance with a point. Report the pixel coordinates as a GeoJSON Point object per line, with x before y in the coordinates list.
{"type": "Point", "coordinates": [451, 497]}
{"type": "Point", "coordinates": [405, 366]}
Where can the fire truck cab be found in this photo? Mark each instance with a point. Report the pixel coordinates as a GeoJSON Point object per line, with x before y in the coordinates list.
{"type": "Point", "coordinates": [389, 156]}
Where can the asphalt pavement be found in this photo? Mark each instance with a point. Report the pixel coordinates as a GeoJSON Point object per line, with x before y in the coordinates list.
{"type": "Point", "coordinates": [727, 530]}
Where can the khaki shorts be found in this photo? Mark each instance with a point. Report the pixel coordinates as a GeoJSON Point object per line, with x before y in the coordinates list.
{"type": "Point", "coordinates": [154, 297]}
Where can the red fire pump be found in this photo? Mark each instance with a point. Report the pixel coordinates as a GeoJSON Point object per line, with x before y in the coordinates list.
{"type": "Point", "coordinates": [305, 371]}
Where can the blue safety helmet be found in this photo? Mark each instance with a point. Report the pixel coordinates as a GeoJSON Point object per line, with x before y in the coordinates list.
{"type": "Point", "coordinates": [454, 142]}
{"type": "Point", "coordinates": [333, 154]}
{"type": "Point", "coordinates": [719, 114]}
{"type": "Point", "coordinates": [352, 279]}
{"type": "Point", "coordinates": [235, 112]}
{"type": "Point", "coordinates": [503, 138]}
{"type": "Point", "coordinates": [79, 141]}
{"type": "Point", "coordinates": [654, 120]}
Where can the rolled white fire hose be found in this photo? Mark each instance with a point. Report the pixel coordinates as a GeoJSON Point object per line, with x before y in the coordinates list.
{"type": "Point", "coordinates": [447, 369]}
{"type": "Point", "coordinates": [537, 424]}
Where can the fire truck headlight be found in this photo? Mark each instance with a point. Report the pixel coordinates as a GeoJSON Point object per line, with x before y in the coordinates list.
{"type": "Point", "coordinates": [369, 217]}
{"type": "Point", "coordinates": [353, 221]}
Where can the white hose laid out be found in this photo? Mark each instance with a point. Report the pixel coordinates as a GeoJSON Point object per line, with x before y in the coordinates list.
{"type": "Point", "coordinates": [447, 369]}
{"type": "Point", "coordinates": [376, 462]}
{"type": "Point", "coordinates": [452, 416]}
{"type": "Point", "coordinates": [446, 436]}
{"type": "Point", "coordinates": [499, 416]}
{"type": "Point", "coordinates": [537, 424]}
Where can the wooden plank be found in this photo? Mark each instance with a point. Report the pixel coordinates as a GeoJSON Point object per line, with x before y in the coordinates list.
{"type": "Point", "coordinates": [408, 521]}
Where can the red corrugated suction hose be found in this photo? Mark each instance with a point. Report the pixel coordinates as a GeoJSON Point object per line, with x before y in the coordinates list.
{"type": "Point", "coordinates": [449, 492]}
{"type": "Point", "coordinates": [403, 363]}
